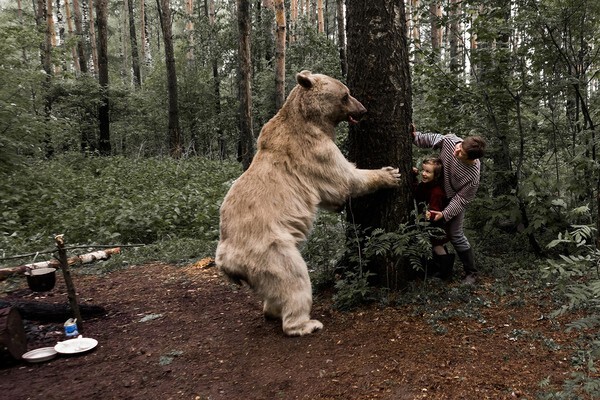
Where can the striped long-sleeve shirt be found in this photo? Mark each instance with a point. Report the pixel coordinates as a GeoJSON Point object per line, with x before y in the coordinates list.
{"type": "Point", "coordinates": [461, 180]}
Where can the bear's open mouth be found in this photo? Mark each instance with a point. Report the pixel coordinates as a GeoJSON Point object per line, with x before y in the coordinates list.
{"type": "Point", "coordinates": [354, 119]}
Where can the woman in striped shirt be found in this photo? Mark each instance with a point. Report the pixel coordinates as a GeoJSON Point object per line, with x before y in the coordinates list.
{"type": "Point", "coordinates": [460, 159]}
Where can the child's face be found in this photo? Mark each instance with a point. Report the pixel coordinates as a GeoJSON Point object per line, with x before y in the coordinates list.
{"type": "Point", "coordinates": [427, 173]}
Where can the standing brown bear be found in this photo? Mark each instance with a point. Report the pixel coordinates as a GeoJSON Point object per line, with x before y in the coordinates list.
{"type": "Point", "coordinates": [270, 208]}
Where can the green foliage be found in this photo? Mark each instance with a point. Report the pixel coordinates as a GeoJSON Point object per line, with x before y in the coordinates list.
{"type": "Point", "coordinates": [112, 200]}
{"type": "Point", "coordinates": [410, 243]}
{"type": "Point", "coordinates": [353, 290]}
{"type": "Point", "coordinates": [576, 274]}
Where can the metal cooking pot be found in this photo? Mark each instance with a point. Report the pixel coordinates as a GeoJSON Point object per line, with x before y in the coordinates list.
{"type": "Point", "coordinates": [41, 279]}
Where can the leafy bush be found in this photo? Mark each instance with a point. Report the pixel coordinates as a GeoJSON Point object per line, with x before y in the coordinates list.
{"type": "Point", "coordinates": [112, 200]}
{"type": "Point", "coordinates": [576, 275]}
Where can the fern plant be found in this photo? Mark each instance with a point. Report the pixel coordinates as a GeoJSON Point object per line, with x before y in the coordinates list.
{"type": "Point", "coordinates": [410, 242]}
{"type": "Point", "coordinates": [576, 273]}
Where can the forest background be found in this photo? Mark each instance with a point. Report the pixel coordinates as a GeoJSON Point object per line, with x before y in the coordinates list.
{"type": "Point", "coordinates": [125, 122]}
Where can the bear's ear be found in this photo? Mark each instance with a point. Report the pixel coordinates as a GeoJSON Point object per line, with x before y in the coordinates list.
{"type": "Point", "coordinates": [303, 78]}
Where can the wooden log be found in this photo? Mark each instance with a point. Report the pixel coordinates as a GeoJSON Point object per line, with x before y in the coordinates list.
{"type": "Point", "coordinates": [13, 342]}
{"type": "Point", "coordinates": [50, 312]}
{"type": "Point", "coordinates": [82, 259]}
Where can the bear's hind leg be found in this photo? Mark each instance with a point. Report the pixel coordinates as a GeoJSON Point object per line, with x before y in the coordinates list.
{"type": "Point", "coordinates": [296, 299]}
{"type": "Point", "coordinates": [271, 309]}
{"type": "Point", "coordinates": [284, 286]}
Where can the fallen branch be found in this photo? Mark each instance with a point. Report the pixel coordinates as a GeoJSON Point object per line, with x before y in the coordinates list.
{"type": "Point", "coordinates": [81, 259]}
{"type": "Point", "coordinates": [51, 312]}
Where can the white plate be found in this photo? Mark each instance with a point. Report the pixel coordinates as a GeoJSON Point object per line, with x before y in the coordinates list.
{"type": "Point", "coordinates": [39, 355]}
{"type": "Point", "coordinates": [73, 346]}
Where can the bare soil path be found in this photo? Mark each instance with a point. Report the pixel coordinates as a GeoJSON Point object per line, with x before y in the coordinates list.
{"type": "Point", "coordinates": [176, 332]}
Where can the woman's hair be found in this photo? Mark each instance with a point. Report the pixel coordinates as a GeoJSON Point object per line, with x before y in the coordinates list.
{"type": "Point", "coordinates": [474, 146]}
{"type": "Point", "coordinates": [437, 167]}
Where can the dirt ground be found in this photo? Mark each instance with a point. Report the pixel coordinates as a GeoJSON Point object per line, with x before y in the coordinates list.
{"type": "Point", "coordinates": [182, 332]}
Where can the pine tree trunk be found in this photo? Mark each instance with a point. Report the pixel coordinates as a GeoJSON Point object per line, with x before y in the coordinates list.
{"type": "Point", "coordinates": [435, 11]}
{"type": "Point", "coordinates": [294, 20]}
{"type": "Point", "coordinates": [341, 25]}
{"type": "Point", "coordinates": [79, 34]}
{"type": "Point", "coordinates": [93, 39]}
{"type": "Point", "coordinates": [210, 11]}
{"type": "Point", "coordinates": [70, 30]}
{"type": "Point", "coordinates": [104, 108]}
{"type": "Point", "coordinates": [189, 30]}
{"type": "Point", "coordinates": [135, 58]}
{"type": "Point", "coordinates": [454, 36]}
{"type": "Point", "coordinates": [379, 77]}
{"type": "Point", "coordinates": [279, 54]}
{"type": "Point", "coordinates": [246, 141]}
{"type": "Point", "coordinates": [320, 18]}
{"type": "Point", "coordinates": [174, 133]}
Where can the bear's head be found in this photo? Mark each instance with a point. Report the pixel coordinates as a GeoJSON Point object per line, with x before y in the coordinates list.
{"type": "Point", "coordinates": [327, 99]}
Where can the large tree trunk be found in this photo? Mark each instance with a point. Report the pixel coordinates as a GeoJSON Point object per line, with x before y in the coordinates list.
{"type": "Point", "coordinates": [378, 76]}
{"type": "Point", "coordinates": [174, 133]}
{"type": "Point", "coordinates": [104, 107]}
{"type": "Point", "coordinates": [279, 54]}
{"type": "Point", "coordinates": [246, 141]}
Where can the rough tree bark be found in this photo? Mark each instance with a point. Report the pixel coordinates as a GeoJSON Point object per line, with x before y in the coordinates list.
{"type": "Point", "coordinates": [174, 133]}
{"type": "Point", "coordinates": [104, 108]}
{"type": "Point", "coordinates": [246, 141]}
{"type": "Point", "coordinates": [341, 25]}
{"type": "Point", "coordinates": [79, 33]}
{"type": "Point", "coordinates": [135, 57]}
{"type": "Point", "coordinates": [70, 30]}
{"type": "Point", "coordinates": [279, 54]}
{"type": "Point", "coordinates": [378, 76]}
{"type": "Point", "coordinates": [209, 6]}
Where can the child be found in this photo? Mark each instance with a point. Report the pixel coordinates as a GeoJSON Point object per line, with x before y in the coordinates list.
{"type": "Point", "coordinates": [430, 195]}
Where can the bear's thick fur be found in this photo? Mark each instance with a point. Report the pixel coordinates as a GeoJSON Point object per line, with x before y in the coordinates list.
{"type": "Point", "coordinates": [270, 208]}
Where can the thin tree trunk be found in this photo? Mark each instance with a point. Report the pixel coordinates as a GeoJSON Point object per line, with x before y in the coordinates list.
{"type": "Point", "coordinates": [145, 47]}
{"type": "Point", "coordinates": [279, 54]}
{"type": "Point", "coordinates": [93, 38]}
{"type": "Point", "coordinates": [341, 24]}
{"type": "Point", "coordinates": [246, 142]}
{"type": "Point", "coordinates": [435, 11]}
{"type": "Point", "coordinates": [294, 20]}
{"type": "Point", "coordinates": [320, 19]}
{"type": "Point", "coordinates": [104, 107]}
{"type": "Point", "coordinates": [79, 34]}
{"type": "Point", "coordinates": [189, 30]}
{"type": "Point", "coordinates": [70, 30]}
{"type": "Point", "coordinates": [379, 77]}
{"type": "Point", "coordinates": [210, 11]}
{"type": "Point", "coordinates": [174, 133]}
{"type": "Point", "coordinates": [135, 58]}
{"type": "Point", "coordinates": [454, 35]}
{"type": "Point", "coordinates": [46, 61]}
